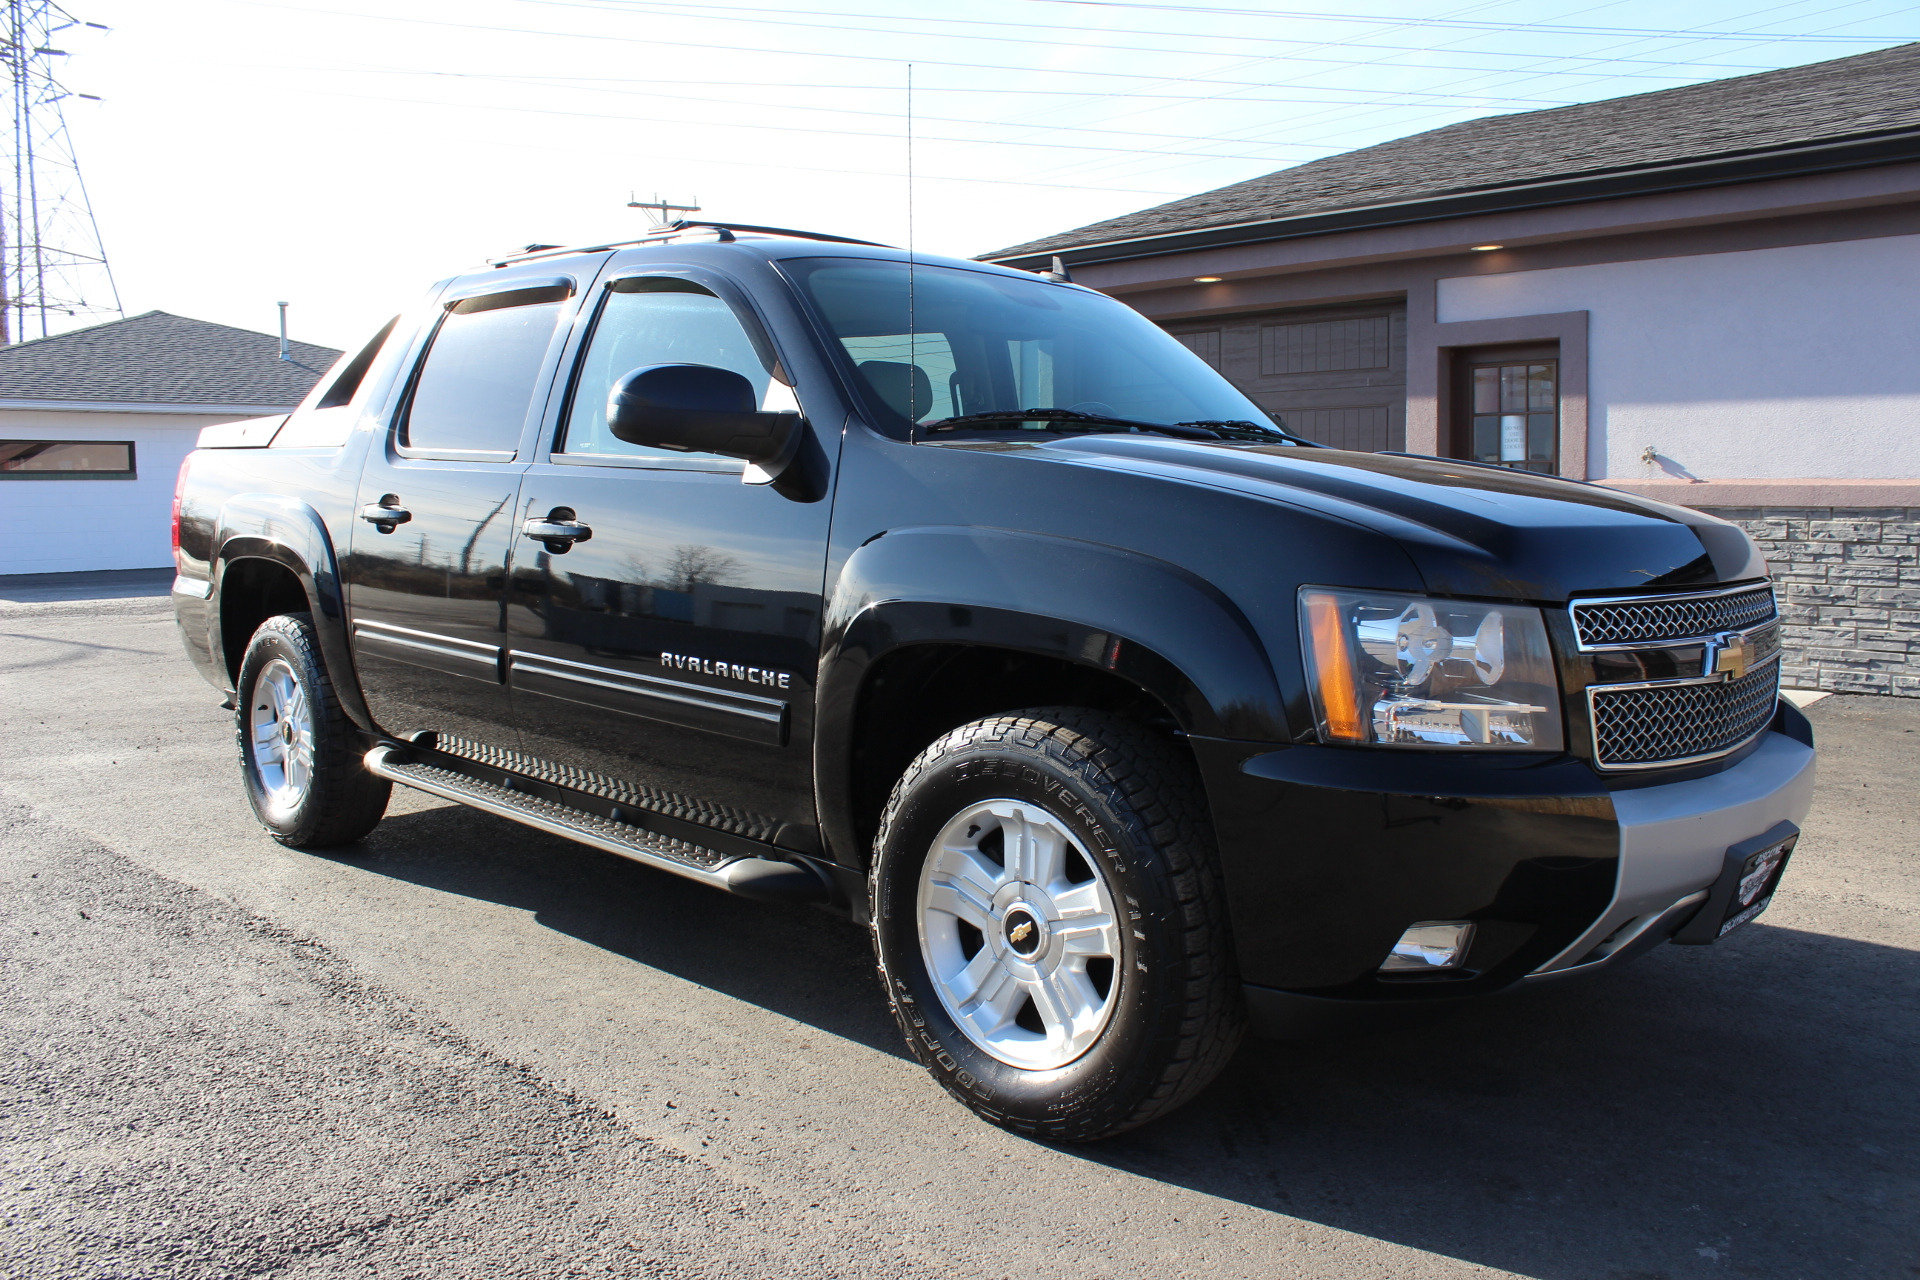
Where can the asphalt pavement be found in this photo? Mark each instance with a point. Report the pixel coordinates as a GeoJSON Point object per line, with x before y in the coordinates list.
{"type": "Point", "coordinates": [465, 1048]}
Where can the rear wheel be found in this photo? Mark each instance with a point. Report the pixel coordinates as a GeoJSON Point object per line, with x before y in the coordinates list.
{"type": "Point", "coordinates": [300, 755]}
{"type": "Point", "coordinates": [1049, 925]}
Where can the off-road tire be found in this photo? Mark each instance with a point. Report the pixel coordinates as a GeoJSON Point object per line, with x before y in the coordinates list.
{"type": "Point", "coordinates": [343, 802]}
{"type": "Point", "coordinates": [1135, 801]}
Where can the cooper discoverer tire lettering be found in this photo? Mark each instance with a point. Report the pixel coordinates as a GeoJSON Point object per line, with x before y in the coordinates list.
{"type": "Point", "coordinates": [1049, 926]}
{"type": "Point", "coordinates": [300, 755]}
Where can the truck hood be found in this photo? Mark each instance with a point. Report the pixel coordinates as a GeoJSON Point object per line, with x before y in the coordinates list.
{"type": "Point", "coordinates": [1471, 530]}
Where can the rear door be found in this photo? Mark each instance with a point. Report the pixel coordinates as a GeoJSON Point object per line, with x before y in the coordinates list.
{"type": "Point", "coordinates": [426, 576]}
{"type": "Point", "coordinates": [666, 659]}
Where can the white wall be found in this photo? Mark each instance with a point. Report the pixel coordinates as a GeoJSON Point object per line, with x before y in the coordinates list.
{"type": "Point", "coordinates": [1770, 363]}
{"type": "Point", "coordinates": [55, 526]}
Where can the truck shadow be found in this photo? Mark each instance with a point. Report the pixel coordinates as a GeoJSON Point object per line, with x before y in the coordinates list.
{"type": "Point", "coordinates": [1746, 1109]}
{"type": "Point", "coordinates": [801, 962]}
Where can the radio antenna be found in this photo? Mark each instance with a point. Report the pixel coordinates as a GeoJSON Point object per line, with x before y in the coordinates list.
{"type": "Point", "coordinates": [913, 337]}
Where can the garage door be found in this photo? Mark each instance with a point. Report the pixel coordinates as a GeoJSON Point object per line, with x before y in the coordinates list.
{"type": "Point", "coordinates": [1337, 375]}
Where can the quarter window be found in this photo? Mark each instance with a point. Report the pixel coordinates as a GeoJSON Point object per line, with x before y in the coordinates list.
{"type": "Point", "coordinates": [473, 390]}
{"type": "Point", "coordinates": [66, 459]}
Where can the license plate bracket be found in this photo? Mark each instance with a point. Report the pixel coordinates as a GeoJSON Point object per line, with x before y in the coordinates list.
{"type": "Point", "coordinates": [1745, 887]}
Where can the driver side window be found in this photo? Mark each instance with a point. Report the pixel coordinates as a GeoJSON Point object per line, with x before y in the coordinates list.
{"type": "Point", "coordinates": [658, 320]}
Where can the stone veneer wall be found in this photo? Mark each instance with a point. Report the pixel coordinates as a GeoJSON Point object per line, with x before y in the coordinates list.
{"type": "Point", "coordinates": [1848, 580]}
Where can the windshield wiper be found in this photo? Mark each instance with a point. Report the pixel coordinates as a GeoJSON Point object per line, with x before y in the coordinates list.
{"type": "Point", "coordinates": [1241, 429]}
{"type": "Point", "coordinates": [1070, 418]}
{"type": "Point", "coordinates": [1066, 419]}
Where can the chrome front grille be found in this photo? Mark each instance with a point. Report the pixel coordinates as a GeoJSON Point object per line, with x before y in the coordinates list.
{"type": "Point", "coordinates": [1663, 619]}
{"type": "Point", "coordinates": [1663, 724]}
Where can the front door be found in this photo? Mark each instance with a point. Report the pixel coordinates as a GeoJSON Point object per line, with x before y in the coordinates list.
{"type": "Point", "coordinates": [664, 656]}
{"type": "Point", "coordinates": [426, 576]}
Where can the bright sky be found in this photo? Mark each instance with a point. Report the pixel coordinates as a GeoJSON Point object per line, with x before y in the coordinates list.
{"type": "Point", "coordinates": [343, 154]}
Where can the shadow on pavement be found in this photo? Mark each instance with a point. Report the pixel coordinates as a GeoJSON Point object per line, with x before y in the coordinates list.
{"type": "Point", "coordinates": [100, 584]}
{"type": "Point", "coordinates": [1749, 1107]}
{"type": "Point", "coordinates": [801, 962]}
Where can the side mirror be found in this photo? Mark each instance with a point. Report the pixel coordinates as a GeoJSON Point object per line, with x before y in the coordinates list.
{"type": "Point", "coordinates": [697, 408]}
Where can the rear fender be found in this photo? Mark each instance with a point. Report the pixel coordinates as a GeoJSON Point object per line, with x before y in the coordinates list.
{"type": "Point", "coordinates": [265, 526]}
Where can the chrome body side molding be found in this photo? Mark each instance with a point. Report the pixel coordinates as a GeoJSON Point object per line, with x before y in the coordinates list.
{"type": "Point", "coordinates": [738, 715]}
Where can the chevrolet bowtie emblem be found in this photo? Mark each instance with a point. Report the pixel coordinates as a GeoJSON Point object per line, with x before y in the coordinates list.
{"type": "Point", "coordinates": [1730, 655]}
{"type": "Point", "coordinates": [1021, 932]}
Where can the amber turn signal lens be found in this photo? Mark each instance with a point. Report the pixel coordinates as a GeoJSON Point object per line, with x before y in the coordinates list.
{"type": "Point", "coordinates": [1333, 669]}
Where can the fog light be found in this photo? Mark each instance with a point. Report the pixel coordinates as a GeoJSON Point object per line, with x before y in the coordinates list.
{"type": "Point", "coordinates": [1430, 945]}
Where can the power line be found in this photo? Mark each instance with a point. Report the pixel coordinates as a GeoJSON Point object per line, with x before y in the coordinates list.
{"type": "Point", "coordinates": [714, 159]}
{"type": "Point", "coordinates": [858, 57]}
{"type": "Point", "coordinates": [1547, 28]}
{"type": "Point", "coordinates": [681, 8]}
{"type": "Point", "coordinates": [540, 81]}
{"type": "Point", "coordinates": [781, 128]}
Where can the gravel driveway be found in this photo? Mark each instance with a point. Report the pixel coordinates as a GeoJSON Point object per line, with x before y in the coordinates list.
{"type": "Point", "coordinates": [469, 1049]}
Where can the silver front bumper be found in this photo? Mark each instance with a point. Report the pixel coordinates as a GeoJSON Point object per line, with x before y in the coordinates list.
{"type": "Point", "coordinates": [1673, 843]}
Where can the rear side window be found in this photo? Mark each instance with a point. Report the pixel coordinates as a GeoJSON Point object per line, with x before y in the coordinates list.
{"type": "Point", "coordinates": [473, 390]}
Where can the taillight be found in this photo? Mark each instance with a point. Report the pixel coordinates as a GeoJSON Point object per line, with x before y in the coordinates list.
{"type": "Point", "coordinates": [179, 487]}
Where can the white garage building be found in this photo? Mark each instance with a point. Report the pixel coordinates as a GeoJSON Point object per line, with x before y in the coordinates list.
{"type": "Point", "coordinates": [94, 424]}
{"type": "Point", "coordinates": [1709, 295]}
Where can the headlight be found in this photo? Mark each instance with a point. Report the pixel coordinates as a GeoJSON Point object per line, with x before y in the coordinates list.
{"type": "Point", "coordinates": [1393, 670]}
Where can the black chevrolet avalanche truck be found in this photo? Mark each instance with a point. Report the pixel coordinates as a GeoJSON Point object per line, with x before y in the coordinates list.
{"type": "Point", "coordinates": [967, 602]}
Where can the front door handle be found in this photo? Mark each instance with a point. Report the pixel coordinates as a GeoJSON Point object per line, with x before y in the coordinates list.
{"type": "Point", "coordinates": [558, 529]}
{"type": "Point", "coordinates": [386, 513]}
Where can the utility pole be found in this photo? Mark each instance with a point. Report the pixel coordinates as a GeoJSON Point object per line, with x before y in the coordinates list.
{"type": "Point", "coordinates": [52, 265]}
{"type": "Point", "coordinates": [663, 209]}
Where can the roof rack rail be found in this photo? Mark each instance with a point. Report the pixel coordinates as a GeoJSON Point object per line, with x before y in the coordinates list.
{"type": "Point", "coordinates": [725, 231]}
{"type": "Point", "coordinates": [684, 224]}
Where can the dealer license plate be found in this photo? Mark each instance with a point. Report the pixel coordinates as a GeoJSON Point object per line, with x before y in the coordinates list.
{"type": "Point", "coordinates": [1759, 876]}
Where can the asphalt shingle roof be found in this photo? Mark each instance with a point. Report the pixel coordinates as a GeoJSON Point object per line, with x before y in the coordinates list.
{"type": "Point", "coordinates": [1864, 94]}
{"type": "Point", "coordinates": [157, 358]}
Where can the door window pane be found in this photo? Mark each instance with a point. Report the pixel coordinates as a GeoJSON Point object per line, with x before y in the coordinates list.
{"type": "Point", "coordinates": [473, 391]}
{"type": "Point", "coordinates": [1515, 414]}
{"type": "Point", "coordinates": [1486, 390]}
{"type": "Point", "coordinates": [914, 374]}
{"type": "Point", "coordinates": [1540, 388]}
{"type": "Point", "coordinates": [659, 320]}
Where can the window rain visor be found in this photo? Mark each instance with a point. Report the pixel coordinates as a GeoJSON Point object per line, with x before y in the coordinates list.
{"type": "Point", "coordinates": [1403, 671]}
{"type": "Point", "coordinates": [963, 342]}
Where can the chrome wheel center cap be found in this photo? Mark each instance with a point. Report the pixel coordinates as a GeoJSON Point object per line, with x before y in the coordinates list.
{"type": "Point", "coordinates": [1026, 933]}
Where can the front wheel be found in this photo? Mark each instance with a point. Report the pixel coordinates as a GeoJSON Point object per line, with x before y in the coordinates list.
{"type": "Point", "coordinates": [1049, 924]}
{"type": "Point", "coordinates": [299, 753]}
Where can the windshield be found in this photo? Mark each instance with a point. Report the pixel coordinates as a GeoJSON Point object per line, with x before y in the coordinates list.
{"type": "Point", "coordinates": [968, 342]}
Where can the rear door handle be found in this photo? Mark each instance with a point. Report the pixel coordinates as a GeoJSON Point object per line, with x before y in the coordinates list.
{"type": "Point", "coordinates": [559, 530]}
{"type": "Point", "coordinates": [386, 513]}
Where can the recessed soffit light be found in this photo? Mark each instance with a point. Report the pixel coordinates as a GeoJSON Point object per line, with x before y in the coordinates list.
{"type": "Point", "coordinates": [1206, 279]}
{"type": "Point", "coordinates": [1487, 248]}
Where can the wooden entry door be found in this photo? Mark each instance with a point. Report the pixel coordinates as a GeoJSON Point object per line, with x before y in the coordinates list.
{"type": "Point", "coordinates": [1507, 409]}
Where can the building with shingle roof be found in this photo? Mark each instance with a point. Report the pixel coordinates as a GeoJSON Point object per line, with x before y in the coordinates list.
{"type": "Point", "coordinates": [1703, 294]}
{"type": "Point", "coordinates": [95, 422]}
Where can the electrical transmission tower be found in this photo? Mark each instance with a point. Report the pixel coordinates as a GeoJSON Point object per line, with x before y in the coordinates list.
{"type": "Point", "coordinates": [52, 264]}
